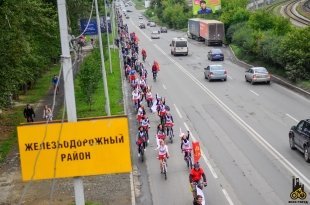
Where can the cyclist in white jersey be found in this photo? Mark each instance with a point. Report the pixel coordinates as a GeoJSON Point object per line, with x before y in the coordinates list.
{"type": "Point", "coordinates": [163, 152]}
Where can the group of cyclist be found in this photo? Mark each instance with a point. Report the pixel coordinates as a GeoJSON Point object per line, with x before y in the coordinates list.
{"type": "Point", "coordinates": [136, 73]}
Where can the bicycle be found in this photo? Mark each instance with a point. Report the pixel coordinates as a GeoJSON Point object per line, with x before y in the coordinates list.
{"type": "Point", "coordinates": [170, 133]}
{"type": "Point", "coordinates": [164, 168]}
{"type": "Point", "coordinates": [197, 188]}
{"type": "Point", "coordinates": [154, 76]}
{"type": "Point", "coordinates": [141, 149]}
{"type": "Point", "coordinates": [188, 158]}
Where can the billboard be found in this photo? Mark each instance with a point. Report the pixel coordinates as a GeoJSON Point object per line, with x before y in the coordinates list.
{"type": "Point", "coordinates": [58, 150]}
{"type": "Point", "coordinates": [206, 6]}
{"type": "Point", "coordinates": [92, 26]}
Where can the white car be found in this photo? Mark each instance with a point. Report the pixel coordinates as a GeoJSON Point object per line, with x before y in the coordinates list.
{"type": "Point", "coordinates": [155, 35]}
{"type": "Point", "coordinates": [152, 24]}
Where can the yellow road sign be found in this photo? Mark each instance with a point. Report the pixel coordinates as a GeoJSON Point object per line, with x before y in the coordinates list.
{"type": "Point", "coordinates": [92, 147]}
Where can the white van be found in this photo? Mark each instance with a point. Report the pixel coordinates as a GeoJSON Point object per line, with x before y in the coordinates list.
{"type": "Point", "coordinates": [179, 46]}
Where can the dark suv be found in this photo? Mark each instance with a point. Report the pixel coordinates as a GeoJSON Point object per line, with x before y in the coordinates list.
{"type": "Point", "coordinates": [299, 137]}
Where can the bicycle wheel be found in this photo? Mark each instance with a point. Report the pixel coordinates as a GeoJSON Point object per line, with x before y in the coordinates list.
{"type": "Point", "coordinates": [190, 162]}
{"type": "Point", "coordinates": [165, 170]}
{"type": "Point", "coordinates": [187, 162]}
{"type": "Point", "coordinates": [142, 153]}
{"type": "Point", "coordinates": [170, 135]}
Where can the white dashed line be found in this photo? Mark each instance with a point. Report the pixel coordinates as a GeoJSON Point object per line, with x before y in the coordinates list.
{"type": "Point", "coordinates": [229, 77]}
{"type": "Point", "coordinates": [256, 136]}
{"type": "Point", "coordinates": [290, 116]}
{"type": "Point", "coordinates": [254, 92]}
{"type": "Point", "coordinates": [227, 197]}
{"type": "Point", "coordinates": [164, 87]}
{"type": "Point", "coordinates": [203, 155]}
{"type": "Point", "coordinates": [178, 111]}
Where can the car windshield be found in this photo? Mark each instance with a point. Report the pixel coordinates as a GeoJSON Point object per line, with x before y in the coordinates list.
{"type": "Point", "coordinates": [164, 28]}
{"type": "Point", "coordinates": [216, 67]}
{"type": "Point", "coordinates": [260, 70]}
{"type": "Point", "coordinates": [216, 51]}
{"type": "Point", "coordinates": [181, 44]}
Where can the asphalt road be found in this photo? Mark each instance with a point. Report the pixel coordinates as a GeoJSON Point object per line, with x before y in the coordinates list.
{"type": "Point", "coordinates": [242, 129]}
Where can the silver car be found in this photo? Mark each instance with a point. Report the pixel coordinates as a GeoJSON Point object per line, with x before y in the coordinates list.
{"type": "Point", "coordinates": [215, 72]}
{"type": "Point", "coordinates": [155, 35]}
{"type": "Point", "coordinates": [257, 74]}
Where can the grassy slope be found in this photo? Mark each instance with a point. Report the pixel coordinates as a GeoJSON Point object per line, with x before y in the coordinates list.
{"type": "Point", "coordinates": [11, 118]}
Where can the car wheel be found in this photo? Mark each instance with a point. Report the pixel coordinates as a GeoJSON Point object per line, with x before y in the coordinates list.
{"type": "Point", "coordinates": [306, 153]}
{"type": "Point", "coordinates": [225, 79]}
{"type": "Point", "coordinates": [246, 80]}
{"type": "Point", "coordinates": [268, 82]}
{"type": "Point", "coordinates": [206, 77]}
{"type": "Point", "coordinates": [292, 142]}
{"type": "Point", "coordinates": [171, 52]}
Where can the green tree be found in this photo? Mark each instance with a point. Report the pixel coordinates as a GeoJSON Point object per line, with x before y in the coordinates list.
{"type": "Point", "coordinates": [29, 40]}
{"type": "Point", "coordinates": [89, 77]}
{"type": "Point", "coordinates": [295, 50]}
{"type": "Point", "coordinates": [261, 20]}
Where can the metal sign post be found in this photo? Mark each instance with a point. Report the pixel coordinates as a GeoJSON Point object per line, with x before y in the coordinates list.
{"type": "Point", "coordinates": [68, 86]}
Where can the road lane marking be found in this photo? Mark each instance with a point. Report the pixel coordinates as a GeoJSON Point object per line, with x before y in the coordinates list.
{"type": "Point", "coordinates": [288, 165]}
{"type": "Point", "coordinates": [164, 87]}
{"type": "Point", "coordinates": [203, 154]}
{"type": "Point", "coordinates": [178, 111]}
{"type": "Point", "coordinates": [140, 30]}
{"type": "Point", "coordinates": [290, 116]}
{"type": "Point", "coordinates": [254, 92]}
{"type": "Point", "coordinates": [227, 197]}
{"type": "Point", "coordinates": [229, 77]}
{"type": "Point", "coordinates": [133, 195]}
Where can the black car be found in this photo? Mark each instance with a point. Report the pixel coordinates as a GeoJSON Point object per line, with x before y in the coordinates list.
{"type": "Point", "coordinates": [163, 30]}
{"type": "Point", "coordinates": [215, 54]}
{"type": "Point", "coordinates": [141, 25]}
{"type": "Point", "coordinates": [299, 137]}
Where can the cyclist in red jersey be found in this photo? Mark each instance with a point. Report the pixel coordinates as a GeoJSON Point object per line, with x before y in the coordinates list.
{"type": "Point", "coordinates": [195, 177]}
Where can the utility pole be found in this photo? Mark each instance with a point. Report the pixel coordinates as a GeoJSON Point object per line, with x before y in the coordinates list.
{"type": "Point", "coordinates": [108, 35]}
{"type": "Point", "coordinates": [68, 86]}
{"type": "Point", "coordinates": [104, 75]}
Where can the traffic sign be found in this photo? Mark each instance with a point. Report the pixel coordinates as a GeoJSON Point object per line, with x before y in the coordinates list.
{"type": "Point", "coordinates": [88, 147]}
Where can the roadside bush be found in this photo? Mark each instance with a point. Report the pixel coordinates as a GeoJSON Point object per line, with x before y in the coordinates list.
{"type": "Point", "coordinates": [270, 50]}
{"type": "Point", "coordinates": [295, 49]}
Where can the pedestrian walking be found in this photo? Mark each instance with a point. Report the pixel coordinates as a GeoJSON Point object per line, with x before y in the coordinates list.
{"type": "Point", "coordinates": [29, 113]}
{"type": "Point", "coordinates": [47, 113]}
{"type": "Point", "coordinates": [55, 83]}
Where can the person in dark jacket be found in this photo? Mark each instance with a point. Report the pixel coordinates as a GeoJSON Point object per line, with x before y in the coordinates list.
{"type": "Point", "coordinates": [29, 113]}
{"type": "Point", "coordinates": [203, 8]}
{"type": "Point", "coordinates": [198, 200]}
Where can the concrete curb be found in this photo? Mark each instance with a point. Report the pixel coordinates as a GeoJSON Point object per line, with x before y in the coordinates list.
{"type": "Point", "coordinates": [274, 78]}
